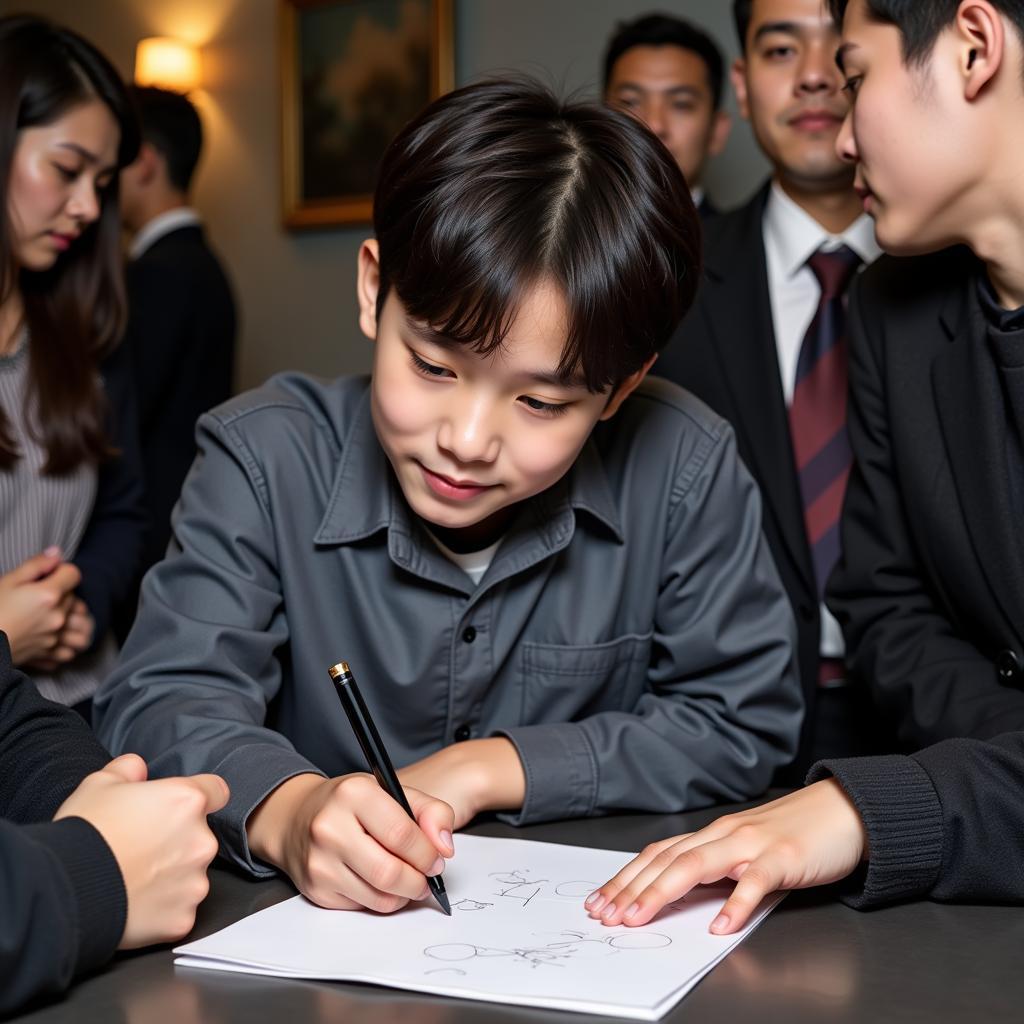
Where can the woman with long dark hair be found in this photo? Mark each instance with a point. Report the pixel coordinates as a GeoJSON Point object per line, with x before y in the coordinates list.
{"type": "Point", "coordinates": [70, 516]}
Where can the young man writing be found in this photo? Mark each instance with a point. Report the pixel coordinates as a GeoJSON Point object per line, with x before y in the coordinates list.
{"type": "Point", "coordinates": [929, 587]}
{"type": "Point", "coordinates": [547, 572]}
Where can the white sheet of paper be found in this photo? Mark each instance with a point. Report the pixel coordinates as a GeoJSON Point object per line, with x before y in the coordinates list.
{"type": "Point", "coordinates": [518, 934]}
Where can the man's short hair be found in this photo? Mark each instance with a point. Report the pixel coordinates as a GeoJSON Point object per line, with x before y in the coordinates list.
{"type": "Point", "coordinates": [921, 24]}
{"type": "Point", "coordinates": [171, 125]}
{"type": "Point", "coordinates": [665, 30]}
{"type": "Point", "coordinates": [500, 186]}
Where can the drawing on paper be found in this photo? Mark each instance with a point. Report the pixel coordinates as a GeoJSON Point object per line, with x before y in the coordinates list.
{"type": "Point", "coordinates": [568, 947]}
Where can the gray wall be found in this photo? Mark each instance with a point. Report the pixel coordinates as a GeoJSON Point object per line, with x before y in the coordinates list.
{"type": "Point", "coordinates": [296, 290]}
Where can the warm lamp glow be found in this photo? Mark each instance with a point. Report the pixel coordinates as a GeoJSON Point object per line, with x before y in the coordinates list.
{"type": "Point", "coordinates": [167, 64]}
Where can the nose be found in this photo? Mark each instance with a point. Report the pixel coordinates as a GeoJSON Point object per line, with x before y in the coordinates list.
{"type": "Point", "coordinates": [818, 72]}
{"type": "Point", "coordinates": [84, 204]}
{"type": "Point", "coordinates": [468, 433]}
{"type": "Point", "coordinates": [846, 144]}
{"type": "Point", "coordinates": [652, 113]}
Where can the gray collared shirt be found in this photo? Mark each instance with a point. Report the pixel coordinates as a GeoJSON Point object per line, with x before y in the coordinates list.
{"type": "Point", "coordinates": [630, 637]}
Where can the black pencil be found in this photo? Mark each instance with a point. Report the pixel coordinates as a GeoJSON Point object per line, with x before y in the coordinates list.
{"type": "Point", "coordinates": [377, 756]}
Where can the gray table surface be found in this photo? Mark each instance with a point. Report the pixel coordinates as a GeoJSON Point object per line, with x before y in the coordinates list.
{"type": "Point", "coordinates": [813, 959]}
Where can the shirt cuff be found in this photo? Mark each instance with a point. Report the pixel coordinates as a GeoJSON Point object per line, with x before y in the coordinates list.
{"type": "Point", "coordinates": [561, 772]}
{"type": "Point", "coordinates": [902, 816]}
{"type": "Point", "coordinates": [98, 899]}
{"type": "Point", "coordinates": [252, 773]}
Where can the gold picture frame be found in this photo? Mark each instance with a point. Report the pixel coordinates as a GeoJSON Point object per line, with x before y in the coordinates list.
{"type": "Point", "coordinates": [352, 73]}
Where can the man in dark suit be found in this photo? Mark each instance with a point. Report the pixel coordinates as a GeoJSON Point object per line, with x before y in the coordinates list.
{"type": "Point", "coordinates": [181, 331]}
{"type": "Point", "coordinates": [931, 586]}
{"type": "Point", "coordinates": [763, 345]}
{"type": "Point", "coordinates": [670, 74]}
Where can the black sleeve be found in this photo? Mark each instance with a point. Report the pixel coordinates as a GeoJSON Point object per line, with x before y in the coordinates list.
{"type": "Point", "coordinates": [946, 823]}
{"type": "Point", "coordinates": [923, 675]}
{"type": "Point", "coordinates": [62, 907]}
{"type": "Point", "coordinates": [111, 548]}
{"type": "Point", "coordinates": [45, 749]}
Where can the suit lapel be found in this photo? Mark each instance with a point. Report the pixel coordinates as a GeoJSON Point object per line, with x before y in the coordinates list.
{"type": "Point", "coordinates": [972, 413]}
{"type": "Point", "coordinates": [739, 318]}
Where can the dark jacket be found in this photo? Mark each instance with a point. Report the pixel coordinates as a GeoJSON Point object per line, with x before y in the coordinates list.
{"type": "Point", "coordinates": [181, 338]}
{"type": "Point", "coordinates": [62, 899]}
{"type": "Point", "coordinates": [725, 353]}
{"type": "Point", "coordinates": [930, 588]}
{"type": "Point", "coordinates": [111, 547]}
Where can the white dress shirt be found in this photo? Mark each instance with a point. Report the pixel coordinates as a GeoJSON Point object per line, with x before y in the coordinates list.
{"type": "Point", "coordinates": [791, 237]}
{"type": "Point", "coordinates": [162, 224]}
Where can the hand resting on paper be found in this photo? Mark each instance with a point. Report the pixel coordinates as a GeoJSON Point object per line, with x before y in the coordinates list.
{"type": "Point", "coordinates": [811, 837]}
{"type": "Point", "coordinates": [346, 845]}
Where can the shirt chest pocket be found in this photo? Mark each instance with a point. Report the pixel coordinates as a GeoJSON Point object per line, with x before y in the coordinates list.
{"type": "Point", "coordinates": [563, 683]}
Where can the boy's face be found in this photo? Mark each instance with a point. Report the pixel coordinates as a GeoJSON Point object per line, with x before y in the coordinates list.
{"type": "Point", "coordinates": [470, 436]}
{"type": "Point", "coordinates": [920, 189]}
{"type": "Point", "coordinates": [788, 86]}
{"type": "Point", "coordinates": [667, 87]}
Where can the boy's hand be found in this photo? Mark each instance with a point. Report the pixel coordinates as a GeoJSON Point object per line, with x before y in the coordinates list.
{"type": "Point", "coordinates": [472, 776]}
{"type": "Point", "coordinates": [36, 598]}
{"type": "Point", "coordinates": [810, 837]}
{"type": "Point", "coordinates": [346, 844]}
{"type": "Point", "coordinates": [158, 834]}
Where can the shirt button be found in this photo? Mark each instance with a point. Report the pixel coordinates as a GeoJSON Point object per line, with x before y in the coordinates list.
{"type": "Point", "coordinates": [469, 634]}
{"type": "Point", "coordinates": [1008, 666]}
{"type": "Point", "coordinates": [463, 733]}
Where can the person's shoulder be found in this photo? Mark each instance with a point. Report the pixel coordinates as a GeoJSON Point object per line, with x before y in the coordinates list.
{"type": "Point", "coordinates": [293, 407]}
{"type": "Point", "coordinates": [661, 432]}
{"type": "Point", "coordinates": [894, 283]}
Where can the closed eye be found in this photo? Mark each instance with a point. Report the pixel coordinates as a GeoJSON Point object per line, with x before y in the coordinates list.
{"type": "Point", "coordinates": [544, 408]}
{"type": "Point", "coordinates": [429, 369]}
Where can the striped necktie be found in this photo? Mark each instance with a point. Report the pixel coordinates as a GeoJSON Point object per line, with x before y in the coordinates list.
{"type": "Point", "coordinates": [817, 414]}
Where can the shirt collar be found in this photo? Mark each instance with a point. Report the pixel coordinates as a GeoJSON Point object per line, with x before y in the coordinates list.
{"type": "Point", "coordinates": [366, 497]}
{"type": "Point", "coordinates": [795, 235]}
{"type": "Point", "coordinates": [162, 224]}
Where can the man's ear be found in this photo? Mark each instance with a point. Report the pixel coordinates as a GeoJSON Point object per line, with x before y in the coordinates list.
{"type": "Point", "coordinates": [982, 44]}
{"type": "Point", "coordinates": [146, 165]}
{"type": "Point", "coordinates": [720, 130]}
{"type": "Point", "coordinates": [626, 388]}
{"type": "Point", "coordinates": [738, 77]}
{"type": "Point", "coordinates": [368, 286]}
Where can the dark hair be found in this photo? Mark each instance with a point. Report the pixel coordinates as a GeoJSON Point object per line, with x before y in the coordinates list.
{"type": "Point", "coordinates": [921, 24]}
{"type": "Point", "coordinates": [742, 12]}
{"type": "Point", "coordinates": [171, 125]}
{"type": "Point", "coordinates": [75, 311]}
{"type": "Point", "coordinates": [499, 185]}
{"type": "Point", "coordinates": [665, 30]}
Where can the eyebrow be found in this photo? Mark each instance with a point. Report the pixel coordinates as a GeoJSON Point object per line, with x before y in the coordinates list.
{"type": "Point", "coordinates": [789, 28]}
{"type": "Point", "coordinates": [688, 90]}
{"type": "Point", "coordinates": [553, 378]}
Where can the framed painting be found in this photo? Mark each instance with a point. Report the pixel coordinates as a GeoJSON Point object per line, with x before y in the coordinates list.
{"type": "Point", "coordinates": [353, 73]}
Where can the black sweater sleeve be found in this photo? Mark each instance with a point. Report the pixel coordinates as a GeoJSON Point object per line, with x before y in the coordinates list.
{"type": "Point", "coordinates": [45, 749]}
{"type": "Point", "coordinates": [946, 823]}
{"type": "Point", "coordinates": [62, 907]}
{"type": "Point", "coordinates": [62, 898]}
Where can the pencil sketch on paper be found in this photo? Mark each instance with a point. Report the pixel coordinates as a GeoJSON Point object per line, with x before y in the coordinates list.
{"type": "Point", "coordinates": [568, 947]}
{"type": "Point", "coordinates": [520, 886]}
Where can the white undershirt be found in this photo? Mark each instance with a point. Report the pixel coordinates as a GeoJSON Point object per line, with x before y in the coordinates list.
{"type": "Point", "coordinates": [473, 563]}
{"type": "Point", "coordinates": [791, 237]}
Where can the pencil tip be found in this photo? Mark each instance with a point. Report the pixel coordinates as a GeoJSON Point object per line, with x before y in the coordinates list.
{"type": "Point", "coordinates": [442, 899]}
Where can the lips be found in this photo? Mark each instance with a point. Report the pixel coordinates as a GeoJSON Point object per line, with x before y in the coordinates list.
{"type": "Point", "coordinates": [816, 120]}
{"type": "Point", "coordinates": [61, 240]}
{"type": "Point", "coordinates": [449, 487]}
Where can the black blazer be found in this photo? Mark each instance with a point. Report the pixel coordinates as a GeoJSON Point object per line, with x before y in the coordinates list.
{"type": "Point", "coordinates": [181, 334]}
{"type": "Point", "coordinates": [930, 589]}
{"type": "Point", "coordinates": [725, 353]}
